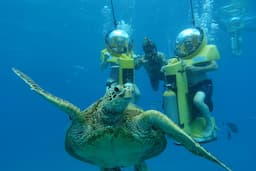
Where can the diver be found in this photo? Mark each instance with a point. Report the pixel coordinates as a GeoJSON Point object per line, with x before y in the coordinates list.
{"type": "Point", "coordinates": [188, 96]}
{"type": "Point", "coordinates": [119, 57]}
{"type": "Point", "coordinates": [233, 19]}
{"type": "Point", "coordinates": [152, 61]}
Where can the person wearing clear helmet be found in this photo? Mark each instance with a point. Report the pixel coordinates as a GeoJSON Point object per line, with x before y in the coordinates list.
{"type": "Point", "coordinates": [119, 58]}
{"type": "Point", "coordinates": [186, 75]}
{"type": "Point", "coordinates": [152, 61]}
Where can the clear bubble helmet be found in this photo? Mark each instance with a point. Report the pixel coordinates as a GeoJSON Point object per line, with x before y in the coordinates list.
{"type": "Point", "coordinates": [118, 41]}
{"type": "Point", "coordinates": [189, 42]}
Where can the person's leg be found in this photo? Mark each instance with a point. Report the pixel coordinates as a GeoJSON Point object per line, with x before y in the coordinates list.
{"type": "Point", "coordinates": [198, 101]}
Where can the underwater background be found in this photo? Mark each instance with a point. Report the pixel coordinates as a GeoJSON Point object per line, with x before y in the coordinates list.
{"type": "Point", "coordinates": [58, 43]}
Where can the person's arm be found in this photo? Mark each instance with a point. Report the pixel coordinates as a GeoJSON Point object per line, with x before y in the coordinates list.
{"type": "Point", "coordinates": [104, 60]}
{"type": "Point", "coordinates": [163, 58]}
{"type": "Point", "coordinates": [205, 67]}
{"type": "Point", "coordinates": [138, 60]}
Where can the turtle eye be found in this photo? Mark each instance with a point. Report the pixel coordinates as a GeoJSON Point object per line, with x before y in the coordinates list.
{"type": "Point", "coordinates": [116, 89]}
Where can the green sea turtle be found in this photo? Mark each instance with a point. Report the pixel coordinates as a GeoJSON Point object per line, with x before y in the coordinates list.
{"type": "Point", "coordinates": [112, 133]}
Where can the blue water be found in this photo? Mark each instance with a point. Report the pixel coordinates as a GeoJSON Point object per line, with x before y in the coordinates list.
{"type": "Point", "coordinates": [58, 44]}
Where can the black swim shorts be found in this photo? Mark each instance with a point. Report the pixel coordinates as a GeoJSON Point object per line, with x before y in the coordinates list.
{"type": "Point", "coordinates": [207, 87]}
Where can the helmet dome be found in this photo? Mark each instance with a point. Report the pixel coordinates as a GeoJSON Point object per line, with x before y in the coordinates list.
{"type": "Point", "coordinates": [118, 41]}
{"type": "Point", "coordinates": [189, 41]}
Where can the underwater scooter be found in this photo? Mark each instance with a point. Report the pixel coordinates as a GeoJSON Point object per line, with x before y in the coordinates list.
{"type": "Point", "coordinates": [176, 102]}
{"type": "Point", "coordinates": [122, 69]}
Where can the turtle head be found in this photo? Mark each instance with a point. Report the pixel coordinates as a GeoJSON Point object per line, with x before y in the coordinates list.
{"type": "Point", "coordinates": [117, 98]}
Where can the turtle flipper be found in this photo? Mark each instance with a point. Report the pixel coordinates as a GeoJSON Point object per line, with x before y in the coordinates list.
{"type": "Point", "coordinates": [69, 108]}
{"type": "Point", "coordinates": [141, 167]}
{"type": "Point", "coordinates": [153, 118]}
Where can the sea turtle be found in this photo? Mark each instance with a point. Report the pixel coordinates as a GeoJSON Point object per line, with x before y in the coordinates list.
{"type": "Point", "coordinates": [112, 133]}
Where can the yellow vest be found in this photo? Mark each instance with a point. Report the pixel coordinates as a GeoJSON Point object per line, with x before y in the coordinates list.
{"type": "Point", "coordinates": [125, 61]}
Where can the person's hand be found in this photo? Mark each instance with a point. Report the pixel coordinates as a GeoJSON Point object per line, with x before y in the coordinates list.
{"type": "Point", "coordinates": [104, 63]}
{"type": "Point", "coordinates": [163, 69]}
{"type": "Point", "coordinates": [142, 60]}
{"type": "Point", "coordinates": [190, 68]}
{"type": "Point", "coordinates": [107, 55]}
